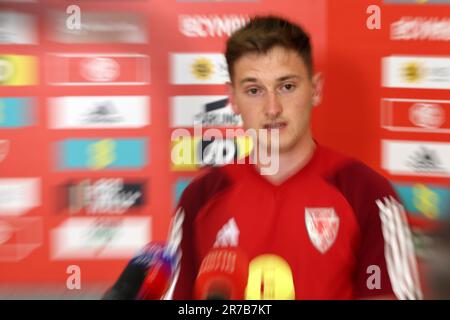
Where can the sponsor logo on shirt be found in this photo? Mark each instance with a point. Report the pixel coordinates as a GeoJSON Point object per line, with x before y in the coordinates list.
{"type": "Point", "coordinates": [228, 235]}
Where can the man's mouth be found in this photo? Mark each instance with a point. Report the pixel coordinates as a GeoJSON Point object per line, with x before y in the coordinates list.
{"type": "Point", "coordinates": [275, 125]}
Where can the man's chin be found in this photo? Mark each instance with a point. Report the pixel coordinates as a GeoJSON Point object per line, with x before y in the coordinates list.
{"type": "Point", "coordinates": [280, 146]}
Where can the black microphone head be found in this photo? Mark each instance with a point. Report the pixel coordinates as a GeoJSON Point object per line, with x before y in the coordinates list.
{"type": "Point", "coordinates": [128, 284]}
{"type": "Point", "coordinates": [217, 296]}
{"type": "Point", "coordinates": [153, 256]}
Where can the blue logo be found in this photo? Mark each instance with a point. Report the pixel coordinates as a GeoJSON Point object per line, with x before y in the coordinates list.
{"type": "Point", "coordinates": [16, 112]}
{"type": "Point", "coordinates": [426, 201]}
{"type": "Point", "coordinates": [102, 154]}
{"type": "Point", "coordinates": [180, 185]}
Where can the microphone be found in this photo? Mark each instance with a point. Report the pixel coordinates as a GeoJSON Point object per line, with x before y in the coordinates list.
{"type": "Point", "coordinates": [223, 275]}
{"type": "Point", "coordinates": [146, 277]}
{"type": "Point", "coordinates": [270, 278]}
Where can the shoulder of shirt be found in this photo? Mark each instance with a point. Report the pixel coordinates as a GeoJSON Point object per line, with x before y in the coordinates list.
{"type": "Point", "coordinates": [352, 176]}
{"type": "Point", "coordinates": [204, 187]}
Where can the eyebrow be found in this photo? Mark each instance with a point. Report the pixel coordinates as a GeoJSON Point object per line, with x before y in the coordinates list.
{"type": "Point", "coordinates": [281, 79]}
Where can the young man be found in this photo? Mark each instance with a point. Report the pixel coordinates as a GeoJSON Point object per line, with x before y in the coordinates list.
{"type": "Point", "coordinates": [324, 226]}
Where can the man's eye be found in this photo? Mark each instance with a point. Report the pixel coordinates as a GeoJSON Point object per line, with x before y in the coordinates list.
{"type": "Point", "coordinates": [253, 91]}
{"type": "Point", "coordinates": [288, 87]}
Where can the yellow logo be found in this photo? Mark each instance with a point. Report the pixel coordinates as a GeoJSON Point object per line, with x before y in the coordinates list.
{"type": "Point", "coordinates": [18, 70]}
{"type": "Point", "coordinates": [202, 68]}
{"type": "Point", "coordinates": [426, 201]}
{"type": "Point", "coordinates": [183, 154]}
{"type": "Point", "coordinates": [101, 154]}
{"type": "Point", "coordinates": [187, 153]}
{"type": "Point", "coordinates": [269, 278]}
{"type": "Point", "coordinates": [412, 72]}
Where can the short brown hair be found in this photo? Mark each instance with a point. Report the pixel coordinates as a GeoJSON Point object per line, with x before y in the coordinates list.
{"type": "Point", "coordinates": [261, 34]}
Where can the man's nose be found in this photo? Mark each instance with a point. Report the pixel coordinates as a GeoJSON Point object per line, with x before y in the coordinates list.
{"type": "Point", "coordinates": [273, 106]}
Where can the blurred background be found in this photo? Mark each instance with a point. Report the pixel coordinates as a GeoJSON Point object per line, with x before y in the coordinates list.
{"type": "Point", "coordinates": [91, 91]}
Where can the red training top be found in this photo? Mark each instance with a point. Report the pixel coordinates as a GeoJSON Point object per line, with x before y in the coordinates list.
{"type": "Point", "coordinates": [333, 230]}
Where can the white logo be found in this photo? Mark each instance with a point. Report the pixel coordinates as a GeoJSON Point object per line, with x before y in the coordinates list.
{"type": "Point", "coordinates": [211, 25]}
{"type": "Point", "coordinates": [427, 115]}
{"type": "Point", "coordinates": [17, 28]}
{"type": "Point", "coordinates": [99, 112]}
{"type": "Point", "coordinates": [415, 115]}
{"type": "Point", "coordinates": [19, 195]}
{"type": "Point", "coordinates": [4, 149]}
{"type": "Point", "coordinates": [322, 225]}
{"type": "Point", "coordinates": [5, 232]}
{"type": "Point", "coordinates": [96, 27]}
{"type": "Point", "coordinates": [421, 28]}
{"type": "Point", "coordinates": [228, 236]}
{"type": "Point", "coordinates": [96, 238]}
{"type": "Point", "coordinates": [199, 68]}
{"type": "Point", "coordinates": [104, 195]}
{"type": "Point", "coordinates": [207, 111]}
{"type": "Point", "coordinates": [218, 152]}
{"type": "Point", "coordinates": [416, 158]}
{"type": "Point", "coordinates": [420, 72]}
{"type": "Point", "coordinates": [100, 69]}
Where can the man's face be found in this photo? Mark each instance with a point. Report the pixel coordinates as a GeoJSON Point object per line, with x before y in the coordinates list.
{"type": "Point", "coordinates": [275, 91]}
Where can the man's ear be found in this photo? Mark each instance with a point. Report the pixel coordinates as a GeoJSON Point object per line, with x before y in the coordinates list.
{"type": "Point", "coordinates": [317, 83]}
{"type": "Point", "coordinates": [231, 98]}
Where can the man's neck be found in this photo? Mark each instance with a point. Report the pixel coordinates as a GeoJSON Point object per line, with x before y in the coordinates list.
{"type": "Point", "coordinates": [291, 161]}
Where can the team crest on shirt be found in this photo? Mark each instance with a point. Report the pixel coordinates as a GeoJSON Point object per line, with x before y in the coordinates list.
{"type": "Point", "coordinates": [322, 225]}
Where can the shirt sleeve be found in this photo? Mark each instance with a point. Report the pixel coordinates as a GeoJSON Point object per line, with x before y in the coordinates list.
{"type": "Point", "coordinates": [385, 259]}
{"type": "Point", "coordinates": [181, 243]}
{"type": "Point", "coordinates": [183, 278]}
{"type": "Point", "coordinates": [182, 231]}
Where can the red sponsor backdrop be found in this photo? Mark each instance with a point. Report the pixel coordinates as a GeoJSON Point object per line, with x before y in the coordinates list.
{"type": "Point", "coordinates": [346, 51]}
